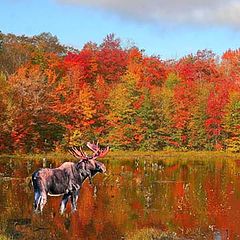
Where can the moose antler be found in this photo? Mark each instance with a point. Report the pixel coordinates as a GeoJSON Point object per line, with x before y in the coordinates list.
{"type": "Point", "coordinates": [98, 152]}
{"type": "Point", "coordinates": [78, 152]}
{"type": "Point", "coordinates": [94, 147]}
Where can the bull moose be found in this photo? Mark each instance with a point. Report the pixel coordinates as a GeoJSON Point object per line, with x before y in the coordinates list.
{"type": "Point", "coordinates": [67, 179]}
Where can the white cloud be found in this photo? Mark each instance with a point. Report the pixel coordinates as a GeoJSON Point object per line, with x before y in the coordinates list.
{"type": "Point", "coordinates": [204, 12]}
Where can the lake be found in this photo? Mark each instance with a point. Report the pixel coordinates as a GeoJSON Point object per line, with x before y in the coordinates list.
{"type": "Point", "coordinates": [194, 199]}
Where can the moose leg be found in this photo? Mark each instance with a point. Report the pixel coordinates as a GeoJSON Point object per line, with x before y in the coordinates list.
{"type": "Point", "coordinates": [42, 201]}
{"type": "Point", "coordinates": [64, 202]}
{"type": "Point", "coordinates": [37, 199]}
{"type": "Point", "coordinates": [74, 198]}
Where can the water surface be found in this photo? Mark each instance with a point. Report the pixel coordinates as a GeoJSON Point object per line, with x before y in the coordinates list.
{"type": "Point", "coordinates": [197, 199]}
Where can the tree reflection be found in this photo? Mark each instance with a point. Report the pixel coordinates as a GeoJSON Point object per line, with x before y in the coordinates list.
{"type": "Point", "coordinates": [193, 199]}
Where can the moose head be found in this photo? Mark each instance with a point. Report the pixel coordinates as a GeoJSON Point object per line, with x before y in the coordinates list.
{"type": "Point", "coordinates": [68, 178]}
{"type": "Point", "coordinates": [89, 162]}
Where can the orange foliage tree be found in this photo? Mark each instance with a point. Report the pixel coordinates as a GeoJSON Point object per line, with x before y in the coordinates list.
{"type": "Point", "coordinates": [53, 95]}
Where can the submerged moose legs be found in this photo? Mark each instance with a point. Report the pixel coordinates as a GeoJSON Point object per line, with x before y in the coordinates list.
{"type": "Point", "coordinates": [74, 198]}
{"type": "Point", "coordinates": [64, 202]}
{"type": "Point", "coordinates": [40, 195]}
{"type": "Point", "coordinates": [37, 199]}
{"type": "Point", "coordinates": [43, 201]}
{"type": "Point", "coordinates": [40, 199]}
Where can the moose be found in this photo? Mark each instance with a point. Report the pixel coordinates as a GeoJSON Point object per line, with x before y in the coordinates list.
{"type": "Point", "coordinates": [67, 179]}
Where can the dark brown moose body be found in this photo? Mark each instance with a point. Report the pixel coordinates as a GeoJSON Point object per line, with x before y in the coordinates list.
{"type": "Point", "coordinates": [67, 179]}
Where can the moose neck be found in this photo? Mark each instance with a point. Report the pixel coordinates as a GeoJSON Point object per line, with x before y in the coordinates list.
{"type": "Point", "coordinates": [85, 169]}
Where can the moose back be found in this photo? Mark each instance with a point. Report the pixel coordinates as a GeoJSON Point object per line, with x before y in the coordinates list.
{"type": "Point", "coordinates": [67, 179]}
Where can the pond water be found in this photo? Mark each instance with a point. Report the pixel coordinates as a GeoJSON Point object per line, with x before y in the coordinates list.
{"type": "Point", "coordinates": [197, 199]}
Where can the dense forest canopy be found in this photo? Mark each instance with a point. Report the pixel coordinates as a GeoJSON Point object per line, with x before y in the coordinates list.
{"type": "Point", "coordinates": [53, 96]}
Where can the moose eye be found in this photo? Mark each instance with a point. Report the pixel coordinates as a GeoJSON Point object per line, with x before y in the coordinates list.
{"type": "Point", "coordinates": [98, 167]}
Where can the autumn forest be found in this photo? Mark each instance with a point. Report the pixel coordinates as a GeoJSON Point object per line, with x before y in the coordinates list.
{"type": "Point", "coordinates": [53, 96]}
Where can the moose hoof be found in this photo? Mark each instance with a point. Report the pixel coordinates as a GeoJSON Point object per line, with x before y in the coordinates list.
{"type": "Point", "coordinates": [74, 210]}
{"type": "Point", "coordinates": [62, 210]}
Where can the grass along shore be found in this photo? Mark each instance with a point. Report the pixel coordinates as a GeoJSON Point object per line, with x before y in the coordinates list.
{"type": "Point", "coordinates": [133, 155]}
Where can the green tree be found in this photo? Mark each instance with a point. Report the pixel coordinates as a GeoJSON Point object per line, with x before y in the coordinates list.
{"type": "Point", "coordinates": [122, 119]}
{"type": "Point", "coordinates": [152, 122]}
{"type": "Point", "coordinates": [232, 122]}
{"type": "Point", "coordinates": [166, 109]}
{"type": "Point", "coordinates": [197, 132]}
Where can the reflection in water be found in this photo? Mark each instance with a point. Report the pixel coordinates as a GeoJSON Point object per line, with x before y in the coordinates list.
{"type": "Point", "coordinates": [195, 199]}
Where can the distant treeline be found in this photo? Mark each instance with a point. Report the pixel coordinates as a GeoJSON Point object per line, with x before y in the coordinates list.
{"type": "Point", "coordinates": [53, 96]}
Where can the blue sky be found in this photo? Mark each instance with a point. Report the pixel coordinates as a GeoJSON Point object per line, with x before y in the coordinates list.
{"type": "Point", "coordinates": [171, 28]}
